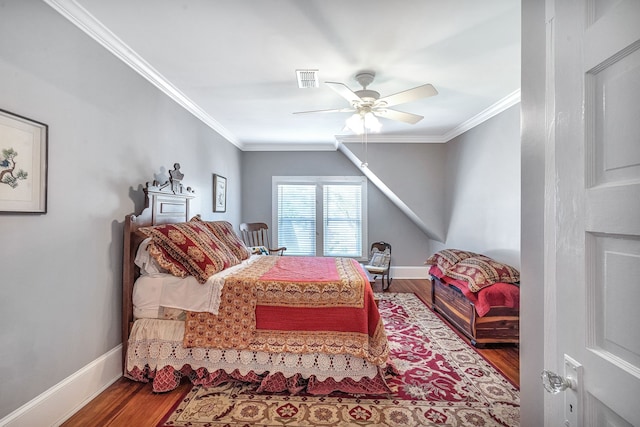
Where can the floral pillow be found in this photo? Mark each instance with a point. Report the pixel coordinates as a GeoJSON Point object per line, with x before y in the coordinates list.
{"type": "Point", "coordinates": [223, 230]}
{"type": "Point", "coordinates": [447, 258]}
{"type": "Point", "coordinates": [187, 248]}
{"type": "Point", "coordinates": [481, 271]}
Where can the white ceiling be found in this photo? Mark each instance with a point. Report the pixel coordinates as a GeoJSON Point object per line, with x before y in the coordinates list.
{"type": "Point", "coordinates": [233, 62]}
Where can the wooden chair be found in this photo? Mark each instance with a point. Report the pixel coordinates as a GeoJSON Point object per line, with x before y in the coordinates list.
{"type": "Point", "coordinates": [257, 234]}
{"type": "Point", "coordinates": [380, 262]}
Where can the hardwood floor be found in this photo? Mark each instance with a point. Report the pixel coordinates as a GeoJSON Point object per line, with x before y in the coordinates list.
{"type": "Point", "coordinates": [133, 404]}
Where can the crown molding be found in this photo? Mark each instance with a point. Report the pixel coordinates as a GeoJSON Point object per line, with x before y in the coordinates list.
{"type": "Point", "coordinates": [81, 18]}
{"type": "Point", "coordinates": [507, 102]}
{"type": "Point", "coordinates": [313, 146]}
{"type": "Point", "coordinates": [381, 139]}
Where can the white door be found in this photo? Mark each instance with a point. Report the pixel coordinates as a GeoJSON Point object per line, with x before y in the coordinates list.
{"type": "Point", "coordinates": [597, 210]}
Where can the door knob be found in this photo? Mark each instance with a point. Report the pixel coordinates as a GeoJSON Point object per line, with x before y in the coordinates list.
{"type": "Point", "coordinates": [554, 383]}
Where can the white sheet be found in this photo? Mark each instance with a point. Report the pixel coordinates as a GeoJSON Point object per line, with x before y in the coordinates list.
{"type": "Point", "coordinates": [153, 291]}
{"type": "Point", "coordinates": [145, 261]}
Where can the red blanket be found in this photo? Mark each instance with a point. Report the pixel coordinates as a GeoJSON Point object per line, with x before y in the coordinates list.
{"type": "Point", "coordinates": [297, 305]}
{"type": "Point", "coordinates": [498, 294]}
{"type": "Point", "coordinates": [303, 269]}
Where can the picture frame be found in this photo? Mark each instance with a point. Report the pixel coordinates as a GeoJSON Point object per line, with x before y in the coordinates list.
{"type": "Point", "coordinates": [23, 164]}
{"type": "Point", "coordinates": [219, 193]}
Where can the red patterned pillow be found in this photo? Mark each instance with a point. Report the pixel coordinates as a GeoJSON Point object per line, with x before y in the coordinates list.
{"type": "Point", "coordinates": [447, 258]}
{"type": "Point", "coordinates": [223, 230]}
{"type": "Point", "coordinates": [481, 271]}
{"type": "Point", "coordinates": [187, 248]}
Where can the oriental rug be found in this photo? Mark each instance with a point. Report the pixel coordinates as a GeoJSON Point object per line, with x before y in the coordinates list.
{"type": "Point", "coordinates": [442, 382]}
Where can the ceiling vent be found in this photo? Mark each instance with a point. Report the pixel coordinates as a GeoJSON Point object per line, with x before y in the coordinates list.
{"type": "Point", "coordinates": [307, 78]}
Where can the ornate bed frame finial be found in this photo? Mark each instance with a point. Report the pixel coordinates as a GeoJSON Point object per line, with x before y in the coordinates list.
{"type": "Point", "coordinates": [174, 184]}
{"type": "Point", "coordinates": [175, 176]}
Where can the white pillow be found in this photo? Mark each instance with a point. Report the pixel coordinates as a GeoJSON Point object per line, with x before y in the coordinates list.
{"type": "Point", "coordinates": [147, 264]}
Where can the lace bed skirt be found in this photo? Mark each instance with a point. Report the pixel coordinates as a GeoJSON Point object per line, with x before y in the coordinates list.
{"type": "Point", "coordinates": [155, 352]}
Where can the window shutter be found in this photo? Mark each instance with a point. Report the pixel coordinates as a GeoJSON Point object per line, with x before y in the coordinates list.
{"type": "Point", "coordinates": [297, 218]}
{"type": "Point", "coordinates": [342, 217]}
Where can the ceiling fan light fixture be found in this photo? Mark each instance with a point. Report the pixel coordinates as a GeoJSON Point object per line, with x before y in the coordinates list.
{"type": "Point", "coordinates": [355, 124]}
{"type": "Point", "coordinates": [361, 121]}
{"type": "Point", "coordinates": [371, 122]}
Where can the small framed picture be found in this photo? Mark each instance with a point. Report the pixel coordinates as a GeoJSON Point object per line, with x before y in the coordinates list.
{"type": "Point", "coordinates": [23, 164]}
{"type": "Point", "coordinates": [219, 193]}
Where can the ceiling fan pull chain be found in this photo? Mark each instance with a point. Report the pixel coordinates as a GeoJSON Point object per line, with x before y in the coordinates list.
{"type": "Point", "coordinates": [366, 149]}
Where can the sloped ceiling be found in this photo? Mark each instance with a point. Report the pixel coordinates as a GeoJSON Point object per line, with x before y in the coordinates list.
{"type": "Point", "coordinates": [232, 63]}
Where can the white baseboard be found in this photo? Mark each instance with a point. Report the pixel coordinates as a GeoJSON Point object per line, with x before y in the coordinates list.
{"type": "Point", "coordinates": [61, 401]}
{"type": "Point", "coordinates": [409, 272]}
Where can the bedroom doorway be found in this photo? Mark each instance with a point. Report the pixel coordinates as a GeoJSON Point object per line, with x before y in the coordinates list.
{"type": "Point", "coordinates": [595, 205]}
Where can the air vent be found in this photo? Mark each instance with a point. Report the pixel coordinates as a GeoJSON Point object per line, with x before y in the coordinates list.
{"type": "Point", "coordinates": [307, 78]}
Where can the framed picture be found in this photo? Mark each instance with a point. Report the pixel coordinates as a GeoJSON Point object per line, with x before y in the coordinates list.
{"type": "Point", "coordinates": [23, 164]}
{"type": "Point", "coordinates": [219, 193]}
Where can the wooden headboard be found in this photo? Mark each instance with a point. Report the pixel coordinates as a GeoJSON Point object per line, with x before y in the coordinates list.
{"type": "Point", "coordinates": [164, 203]}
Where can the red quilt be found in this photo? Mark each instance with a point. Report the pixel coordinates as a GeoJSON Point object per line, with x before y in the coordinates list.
{"type": "Point", "coordinates": [296, 305]}
{"type": "Point", "coordinates": [498, 294]}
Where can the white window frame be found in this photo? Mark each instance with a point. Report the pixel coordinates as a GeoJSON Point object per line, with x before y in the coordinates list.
{"type": "Point", "coordinates": [319, 181]}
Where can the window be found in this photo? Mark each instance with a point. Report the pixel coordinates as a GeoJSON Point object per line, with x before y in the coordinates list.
{"type": "Point", "coordinates": [320, 216]}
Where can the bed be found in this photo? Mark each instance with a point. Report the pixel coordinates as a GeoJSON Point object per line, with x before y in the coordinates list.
{"type": "Point", "coordinates": [197, 304]}
{"type": "Point", "coordinates": [476, 294]}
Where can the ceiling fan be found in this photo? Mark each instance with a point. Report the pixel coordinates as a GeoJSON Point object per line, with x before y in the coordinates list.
{"type": "Point", "coordinates": [365, 103]}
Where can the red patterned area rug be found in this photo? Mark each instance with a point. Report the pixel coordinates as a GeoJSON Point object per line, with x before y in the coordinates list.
{"type": "Point", "coordinates": [442, 382]}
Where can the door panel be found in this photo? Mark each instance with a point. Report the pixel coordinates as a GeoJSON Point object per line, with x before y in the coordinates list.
{"type": "Point", "coordinates": [613, 303]}
{"type": "Point", "coordinates": [615, 113]}
{"type": "Point", "coordinates": [597, 240]}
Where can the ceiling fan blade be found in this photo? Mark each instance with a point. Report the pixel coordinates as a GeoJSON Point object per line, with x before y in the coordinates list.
{"type": "Point", "coordinates": [344, 91]}
{"type": "Point", "coordinates": [400, 116]}
{"type": "Point", "coordinates": [409, 95]}
{"type": "Point", "coordinates": [335, 110]}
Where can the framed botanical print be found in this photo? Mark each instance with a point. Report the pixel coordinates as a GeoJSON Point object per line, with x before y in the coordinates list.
{"type": "Point", "coordinates": [219, 193]}
{"type": "Point", "coordinates": [23, 164]}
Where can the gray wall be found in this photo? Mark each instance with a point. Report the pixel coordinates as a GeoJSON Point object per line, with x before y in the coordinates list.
{"type": "Point", "coordinates": [259, 166]}
{"type": "Point", "coordinates": [416, 173]}
{"type": "Point", "coordinates": [483, 189]}
{"type": "Point", "coordinates": [385, 221]}
{"type": "Point", "coordinates": [109, 132]}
